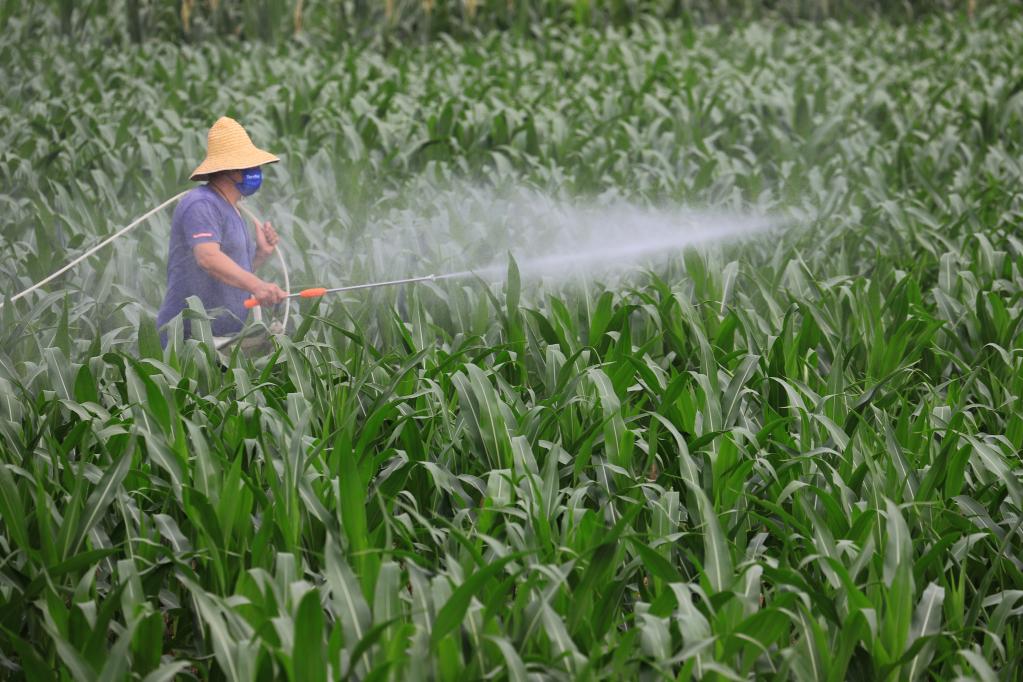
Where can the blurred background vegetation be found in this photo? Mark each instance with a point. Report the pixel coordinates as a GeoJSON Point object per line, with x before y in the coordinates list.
{"type": "Point", "coordinates": [122, 21]}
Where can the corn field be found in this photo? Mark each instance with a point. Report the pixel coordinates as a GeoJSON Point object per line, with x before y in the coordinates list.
{"type": "Point", "coordinates": [793, 457]}
{"type": "Point", "coordinates": [344, 20]}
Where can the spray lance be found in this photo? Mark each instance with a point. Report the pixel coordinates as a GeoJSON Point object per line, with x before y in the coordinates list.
{"type": "Point", "coordinates": [316, 292]}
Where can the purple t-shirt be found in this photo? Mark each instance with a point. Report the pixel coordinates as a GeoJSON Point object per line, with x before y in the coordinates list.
{"type": "Point", "coordinates": [204, 216]}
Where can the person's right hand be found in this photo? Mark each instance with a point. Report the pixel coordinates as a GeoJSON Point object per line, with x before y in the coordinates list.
{"type": "Point", "coordinates": [268, 293]}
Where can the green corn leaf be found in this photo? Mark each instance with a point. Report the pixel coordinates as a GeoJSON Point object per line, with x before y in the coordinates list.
{"type": "Point", "coordinates": [102, 495]}
{"type": "Point", "coordinates": [899, 547]}
{"type": "Point", "coordinates": [926, 623]}
{"type": "Point", "coordinates": [307, 658]}
{"type": "Point", "coordinates": [348, 603]}
{"type": "Point", "coordinates": [450, 616]}
{"type": "Point", "coordinates": [717, 558]}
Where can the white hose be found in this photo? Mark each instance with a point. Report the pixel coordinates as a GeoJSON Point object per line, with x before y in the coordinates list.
{"type": "Point", "coordinates": [96, 248]}
{"type": "Point", "coordinates": [284, 267]}
{"type": "Point", "coordinates": [133, 224]}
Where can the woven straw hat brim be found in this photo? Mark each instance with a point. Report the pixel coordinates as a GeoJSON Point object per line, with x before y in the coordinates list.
{"type": "Point", "coordinates": [234, 161]}
{"type": "Point", "coordinates": [229, 148]}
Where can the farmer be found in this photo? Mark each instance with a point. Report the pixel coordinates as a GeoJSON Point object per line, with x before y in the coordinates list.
{"type": "Point", "coordinates": [212, 255]}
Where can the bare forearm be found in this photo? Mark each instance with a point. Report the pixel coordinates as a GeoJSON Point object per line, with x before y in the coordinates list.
{"type": "Point", "coordinates": [224, 269]}
{"type": "Point", "coordinates": [259, 259]}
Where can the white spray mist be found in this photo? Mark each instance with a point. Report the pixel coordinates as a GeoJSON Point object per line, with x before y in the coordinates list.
{"type": "Point", "coordinates": [473, 229]}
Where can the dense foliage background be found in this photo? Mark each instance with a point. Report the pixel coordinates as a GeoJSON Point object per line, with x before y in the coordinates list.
{"type": "Point", "coordinates": [384, 20]}
{"type": "Point", "coordinates": [796, 457]}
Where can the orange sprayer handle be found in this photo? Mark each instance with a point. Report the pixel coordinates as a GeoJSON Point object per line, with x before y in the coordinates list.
{"type": "Point", "coordinates": [305, 293]}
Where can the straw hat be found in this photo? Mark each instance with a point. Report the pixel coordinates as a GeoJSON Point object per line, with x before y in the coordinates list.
{"type": "Point", "coordinates": [228, 147]}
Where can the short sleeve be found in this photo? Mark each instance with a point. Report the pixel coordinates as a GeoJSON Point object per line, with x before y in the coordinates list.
{"type": "Point", "coordinates": [201, 223]}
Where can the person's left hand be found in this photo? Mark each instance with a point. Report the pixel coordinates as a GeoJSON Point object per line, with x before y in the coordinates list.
{"type": "Point", "coordinates": [266, 238]}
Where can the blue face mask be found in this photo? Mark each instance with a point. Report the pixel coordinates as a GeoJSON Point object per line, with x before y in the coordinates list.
{"type": "Point", "coordinates": [252, 178]}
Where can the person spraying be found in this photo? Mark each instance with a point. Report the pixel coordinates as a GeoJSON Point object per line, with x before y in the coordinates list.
{"type": "Point", "coordinates": [212, 255]}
